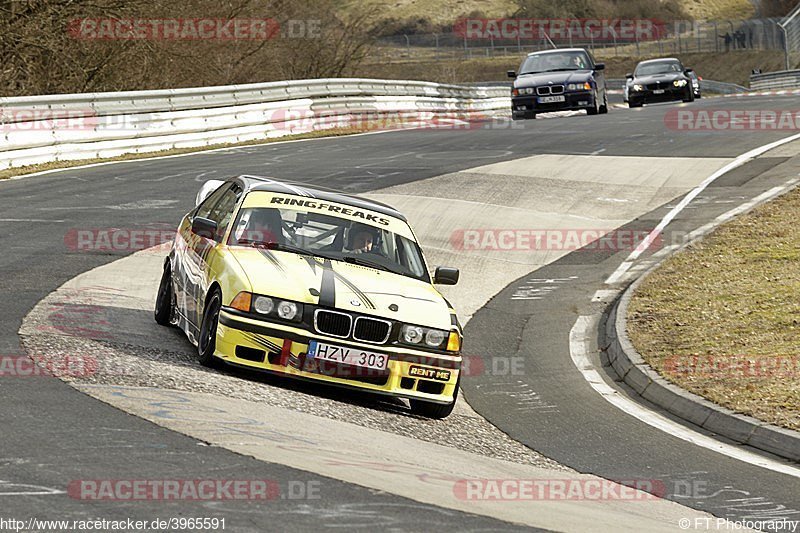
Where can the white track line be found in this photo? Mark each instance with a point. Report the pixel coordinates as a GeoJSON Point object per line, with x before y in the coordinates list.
{"type": "Point", "coordinates": [645, 244]}
{"type": "Point", "coordinates": [579, 346]}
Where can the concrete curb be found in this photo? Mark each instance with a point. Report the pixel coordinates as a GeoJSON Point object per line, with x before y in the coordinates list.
{"type": "Point", "coordinates": [636, 373]}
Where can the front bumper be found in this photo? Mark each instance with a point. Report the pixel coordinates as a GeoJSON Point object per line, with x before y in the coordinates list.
{"type": "Point", "coordinates": [669, 95]}
{"type": "Point", "coordinates": [527, 105]}
{"type": "Point", "coordinates": [283, 349]}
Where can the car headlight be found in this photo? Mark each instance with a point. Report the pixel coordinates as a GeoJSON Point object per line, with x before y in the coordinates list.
{"type": "Point", "coordinates": [579, 86]}
{"type": "Point", "coordinates": [287, 310]}
{"type": "Point", "coordinates": [638, 87]}
{"type": "Point", "coordinates": [419, 336]}
{"type": "Point", "coordinates": [525, 90]}
{"type": "Point", "coordinates": [268, 306]}
{"type": "Point", "coordinates": [263, 305]}
{"type": "Point", "coordinates": [679, 83]}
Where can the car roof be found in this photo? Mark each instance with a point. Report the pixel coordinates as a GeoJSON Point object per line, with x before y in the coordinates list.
{"type": "Point", "coordinates": [554, 50]}
{"type": "Point", "coordinates": [262, 183]}
{"type": "Point", "coordinates": [660, 60]}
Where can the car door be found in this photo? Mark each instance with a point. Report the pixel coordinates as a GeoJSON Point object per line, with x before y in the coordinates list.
{"type": "Point", "coordinates": [188, 261]}
{"type": "Point", "coordinates": [222, 214]}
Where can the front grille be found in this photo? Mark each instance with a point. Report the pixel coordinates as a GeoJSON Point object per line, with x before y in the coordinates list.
{"type": "Point", "coordinates": [371, 330]}
{"type": "Point", "coordinates": [550, 89]}
{"type": "Point", "coordinates": [332, 323]}
{"type": "Point", "coordinates": [653, 86]}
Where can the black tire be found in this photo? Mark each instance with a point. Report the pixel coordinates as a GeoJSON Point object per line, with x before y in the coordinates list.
{"type": "Point", "coordinates": [434, 410]}
{"type": "Point", "coordinates": [165, 299]}
{"type": "Point", "coordinates": [634, 104]}
{"type": "Point", "coordinates": [698, 96]}
{"type": "Point", "coordinates": [207, 340]}
{"type": "Point", "coordinates": [689, 97]}
{"type": "Point", "coordinates": [604, 107]}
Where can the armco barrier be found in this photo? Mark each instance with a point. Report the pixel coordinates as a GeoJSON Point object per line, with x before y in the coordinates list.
{"type": "Point", "coordinates": [784, 79]}
{"type": "Point", "coordinates": [113, 124]}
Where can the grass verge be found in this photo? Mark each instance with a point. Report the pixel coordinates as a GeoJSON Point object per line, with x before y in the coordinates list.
{"type": "Point", "coordinates": [722, 318]}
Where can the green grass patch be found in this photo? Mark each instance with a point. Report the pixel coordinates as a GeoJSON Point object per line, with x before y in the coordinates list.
{"type": "Point", "coordinates": [722, 318]}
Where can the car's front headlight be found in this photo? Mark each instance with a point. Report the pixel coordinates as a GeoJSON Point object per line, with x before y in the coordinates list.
{"type": "Point", "coordinates": [579, 86]}
{"type": "Point", "coordinates": [638, 87]}
{"type": "Point", "coordinates": [268, 306]}
{"type": "Point", "coordinates": [420, 336]}
{"type": "Point", "coordinates": [679, 83]}
{"type": "Point", "coordinates": [524, 90]}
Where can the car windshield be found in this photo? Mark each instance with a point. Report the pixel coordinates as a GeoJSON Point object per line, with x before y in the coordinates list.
{"type": "Point", "coordinates": [555, 61]}
{"type": "Point", "coordinates": [332, 237]}
{"type": "Point", "coordinates": [662, 67]}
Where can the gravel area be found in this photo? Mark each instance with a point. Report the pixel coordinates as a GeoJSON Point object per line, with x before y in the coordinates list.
{"type": "Point", "coordinates": [161, 358]}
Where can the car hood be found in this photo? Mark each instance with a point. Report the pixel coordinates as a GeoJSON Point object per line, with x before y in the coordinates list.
{"type": "Point", "coordinates": [344, 286]}
{"type": "Point", "coordinates": [544, 78]}
{"type": "Point", "coordinates": [663, 78]}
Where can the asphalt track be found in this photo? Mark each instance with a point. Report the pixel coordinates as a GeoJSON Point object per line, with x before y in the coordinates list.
{"type": "Point", "coordinates": [52, 434]}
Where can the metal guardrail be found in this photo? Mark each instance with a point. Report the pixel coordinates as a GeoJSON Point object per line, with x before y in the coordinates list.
{"type": "Point", "coordinates": [721, 87]}
{"type": "Point", "coordinates": [782, 79]}
{"type": "Point", "coordinates": [41, 129]}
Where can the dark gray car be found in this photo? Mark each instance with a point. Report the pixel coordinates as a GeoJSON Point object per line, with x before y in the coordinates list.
{"type": "Point", "coordinates": [659, 80]}
{"type": "Point", "coordinates": [563, 79]}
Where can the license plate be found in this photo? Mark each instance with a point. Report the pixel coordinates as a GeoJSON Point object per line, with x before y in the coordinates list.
{"type": "Point", "coordinates": [551, 99]}
{"type": "Point", "coordinates": [347, 356]}
{"type": "Point", "coordinates": [658, 91]}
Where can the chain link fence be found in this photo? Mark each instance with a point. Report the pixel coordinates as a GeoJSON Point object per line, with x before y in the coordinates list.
{"type": "Point", "coordinates": [674, 38]}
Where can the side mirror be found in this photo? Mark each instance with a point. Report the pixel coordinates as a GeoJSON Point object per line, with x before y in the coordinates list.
{"type": "Point", "coordinates": [600, 66]}
{"type": "Point", "coordinates": [629, 75]}
{"type": "Point", "coordinates": [511, 74]}
{"type": "Point", "coordinates": [445, 276]}
{"type": "Point", "coordinates": [207, 188]}
{"type": "Point", "coordinates": [204, 227]}
{"type": "Point", "coordinates": [688, 70]}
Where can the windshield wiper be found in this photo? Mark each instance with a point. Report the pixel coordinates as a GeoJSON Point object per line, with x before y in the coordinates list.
{"type": "Point", "coordinates": [356, 260]}
{"type": "Point", "coordinates": [279, 246]}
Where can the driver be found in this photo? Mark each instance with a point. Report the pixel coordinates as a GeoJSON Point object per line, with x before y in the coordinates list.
{"type": "Point", "coordinates": [361, 238]}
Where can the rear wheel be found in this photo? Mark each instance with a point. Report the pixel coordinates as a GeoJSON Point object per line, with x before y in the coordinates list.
{"type": "Point", "coordinates": [207, 342]}
{"type": "Point", "coordinates": [165, 299]}
{"type": "Point", "coordinates": [434, 410]}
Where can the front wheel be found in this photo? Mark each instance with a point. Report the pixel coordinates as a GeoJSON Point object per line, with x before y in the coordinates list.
{"type": "Point", "coordinates": [689, 97]}
{"type": "Point", "coordinates": [434, 410]}
{"type": "Point", "coordinates": [595, 109]}
{"type": "Point", "coordinates": [207, 343]}
{"type": "Point", "coordinates": [604, 107]}
{"type": "Point", "coordinates": [165, 298]}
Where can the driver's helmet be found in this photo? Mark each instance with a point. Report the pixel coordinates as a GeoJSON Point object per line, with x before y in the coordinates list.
{"type": "Point", "coordinates": [358, 233]}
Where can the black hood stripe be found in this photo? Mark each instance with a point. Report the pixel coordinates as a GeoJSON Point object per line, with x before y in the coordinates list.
{"type": "Point", "coordinates": [327, 289]}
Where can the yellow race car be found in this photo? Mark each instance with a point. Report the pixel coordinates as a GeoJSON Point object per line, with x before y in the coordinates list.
{"type": "Point", "coordinates": [315, 284]}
